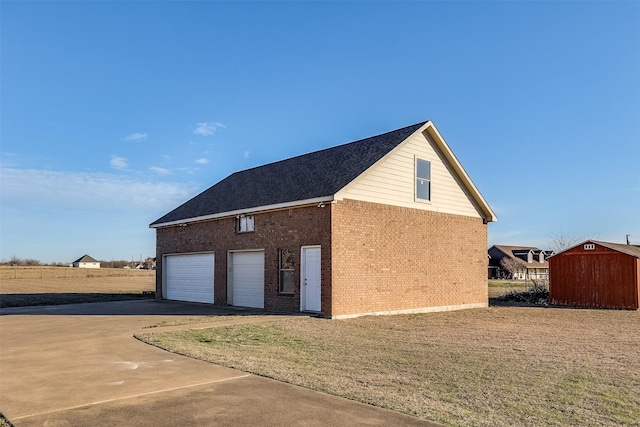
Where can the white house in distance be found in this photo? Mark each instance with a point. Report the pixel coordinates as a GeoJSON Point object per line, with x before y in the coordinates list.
{"type": "Point", "coordinates": [85, 262]}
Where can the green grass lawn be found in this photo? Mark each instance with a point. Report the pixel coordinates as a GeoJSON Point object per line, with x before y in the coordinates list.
{"type": "Point", "coordinates": [499, 366]}
{"type": "Point", "coordinates": [508, 284]}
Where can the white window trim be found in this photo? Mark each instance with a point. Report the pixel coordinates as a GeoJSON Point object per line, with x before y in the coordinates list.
{"type": "Point", "coordinates": [415, 181]}
{"type": "Point", "coordinates": [280, 270]}
{"type": "Point", "coordinates": [248, 221]}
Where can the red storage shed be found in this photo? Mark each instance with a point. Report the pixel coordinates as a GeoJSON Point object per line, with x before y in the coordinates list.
{"type": "Point", "coordinates": [596, 274]}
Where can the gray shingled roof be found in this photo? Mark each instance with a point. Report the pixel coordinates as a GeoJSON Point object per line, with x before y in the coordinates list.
{"type": "Point", "coordinates": [632, 250]}
{"type": "Point", "coordinates": [319, 174]}
{"type": "Point", "coordinates": [510, 251]}
{"type": "Point", "coordinates": [85, 258]}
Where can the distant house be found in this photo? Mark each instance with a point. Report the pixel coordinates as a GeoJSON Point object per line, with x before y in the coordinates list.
{"type": "Point", "coordinates": [527, 262]}
{"type": "Point", "coordinates": [384, 225]}
{"type": "Point", "coordinates": [149, 263]}
{"type": "Point", "coordinates": [85, 262]}
{"type": "Point", "coordinates": [596, 274]}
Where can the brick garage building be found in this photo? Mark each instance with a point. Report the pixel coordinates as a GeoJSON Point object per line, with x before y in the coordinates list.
{"type": "Point", "coordinates": [387, 224]}
{"type": "Point", "coordinates": [596, 274]}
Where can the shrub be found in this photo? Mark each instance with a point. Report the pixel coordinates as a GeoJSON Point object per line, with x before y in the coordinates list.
{"type": "Point", "coordinates": [537, 293]}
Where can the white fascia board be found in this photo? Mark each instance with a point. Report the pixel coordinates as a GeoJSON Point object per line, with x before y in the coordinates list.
{"type": "Point", "coordinates": [257, 209]}
{"type": "Point", "coordinates": [490, 216]}
{"type": "Point", "coordinates": [571, 247]}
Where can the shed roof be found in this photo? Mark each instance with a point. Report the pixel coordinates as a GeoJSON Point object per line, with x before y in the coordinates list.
{"type": "Point", "coordinates": [632, 250]}
{"type": "Point", "coordinates": [306, 178]}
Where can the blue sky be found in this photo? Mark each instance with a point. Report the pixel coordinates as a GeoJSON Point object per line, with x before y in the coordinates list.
{"type": "Point", "coordinates": [113, 113]}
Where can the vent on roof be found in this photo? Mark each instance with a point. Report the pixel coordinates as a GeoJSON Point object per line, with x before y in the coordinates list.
{"type": "Point", "coordinates": [589, 247]}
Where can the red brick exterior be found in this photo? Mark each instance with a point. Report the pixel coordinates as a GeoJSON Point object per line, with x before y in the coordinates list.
{"type": "Point", "coordinates": [285, 229]}
{"type": "Point", "coordinates": [375, 258]}
{"type": "Point", "coordinates": [388, 258]}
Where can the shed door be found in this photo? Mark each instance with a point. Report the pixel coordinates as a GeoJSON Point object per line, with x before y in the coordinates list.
{"type": "Point", "coordinates": [189, 277]}
{"type": "Point", "coordinates": [247, 279]}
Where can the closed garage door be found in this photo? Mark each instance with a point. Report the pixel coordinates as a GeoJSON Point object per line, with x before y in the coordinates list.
{"type": "Point", "coordinates": [247, 279]}
{"type": "Point", "coordinates": [189, 277]}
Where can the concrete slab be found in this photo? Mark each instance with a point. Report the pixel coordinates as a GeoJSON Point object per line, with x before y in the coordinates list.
{"type": "Point", "coordinates": [80, 365]}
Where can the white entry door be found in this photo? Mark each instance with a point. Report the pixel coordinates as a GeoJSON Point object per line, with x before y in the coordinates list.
{"type": "Point", "coordinates": [310, 279]}
{"type": "Point", "coordinates": [247, 279]}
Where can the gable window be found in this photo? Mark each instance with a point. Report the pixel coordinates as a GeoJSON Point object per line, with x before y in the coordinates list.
{"type": "Point", "coordinates": [423, 179]}
{"type": "Point", "coordinates": [245, 223]}
{"type": "Point", "coordinates": [287, 278]}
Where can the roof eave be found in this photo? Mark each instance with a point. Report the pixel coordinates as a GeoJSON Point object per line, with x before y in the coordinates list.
{"type": "Point", "coordinates": [254, 210]}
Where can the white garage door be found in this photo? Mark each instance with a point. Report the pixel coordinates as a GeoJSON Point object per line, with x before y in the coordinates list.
{"type": "Point", "coordinates": [247, 279]}
{"type": "Point", "coordinates": [189, 277]}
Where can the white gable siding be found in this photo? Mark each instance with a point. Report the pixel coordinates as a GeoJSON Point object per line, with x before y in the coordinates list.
{"type": "Point", "coordinates": [392, 181]}
{"type": "Point", "coordinates": [86, 264]}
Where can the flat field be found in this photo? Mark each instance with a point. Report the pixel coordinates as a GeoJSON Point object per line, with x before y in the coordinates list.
{"type": "Point", "coordinates": [45, 272]}
{"type": "Point", "coordinates": [50, 290]}
{"type": "Point", "coordinates": [498, 366]}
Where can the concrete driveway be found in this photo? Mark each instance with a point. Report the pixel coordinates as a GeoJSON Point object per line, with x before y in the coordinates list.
{"type": "Point", "coordinates": [79, 365]}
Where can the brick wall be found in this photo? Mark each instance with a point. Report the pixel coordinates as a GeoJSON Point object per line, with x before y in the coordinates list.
{"type": "Point", "coordinates": [390, 259]}
{"type": "Point", "coordinates": [285, 229]}
{"type": "Point", "coordinates": [386, 259]}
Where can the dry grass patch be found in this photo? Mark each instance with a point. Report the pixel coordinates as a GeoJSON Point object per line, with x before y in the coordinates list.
{"type": "Point", "coordinates": [111, 285]}
{"type": "Point", "coordinates": [182, 321]}
{"type": "Point", "coordinates": [498, 288]}
{"type": "Point", "coordinates": [53, 291]}
{"type": "Point", "coordinates": [48, 272]}
{"type": "Point", "coordinates": [496, 366]}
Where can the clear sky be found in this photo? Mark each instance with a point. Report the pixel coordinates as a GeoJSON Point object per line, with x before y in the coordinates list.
{"type": "Point", "coordinates": [114, 113]}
